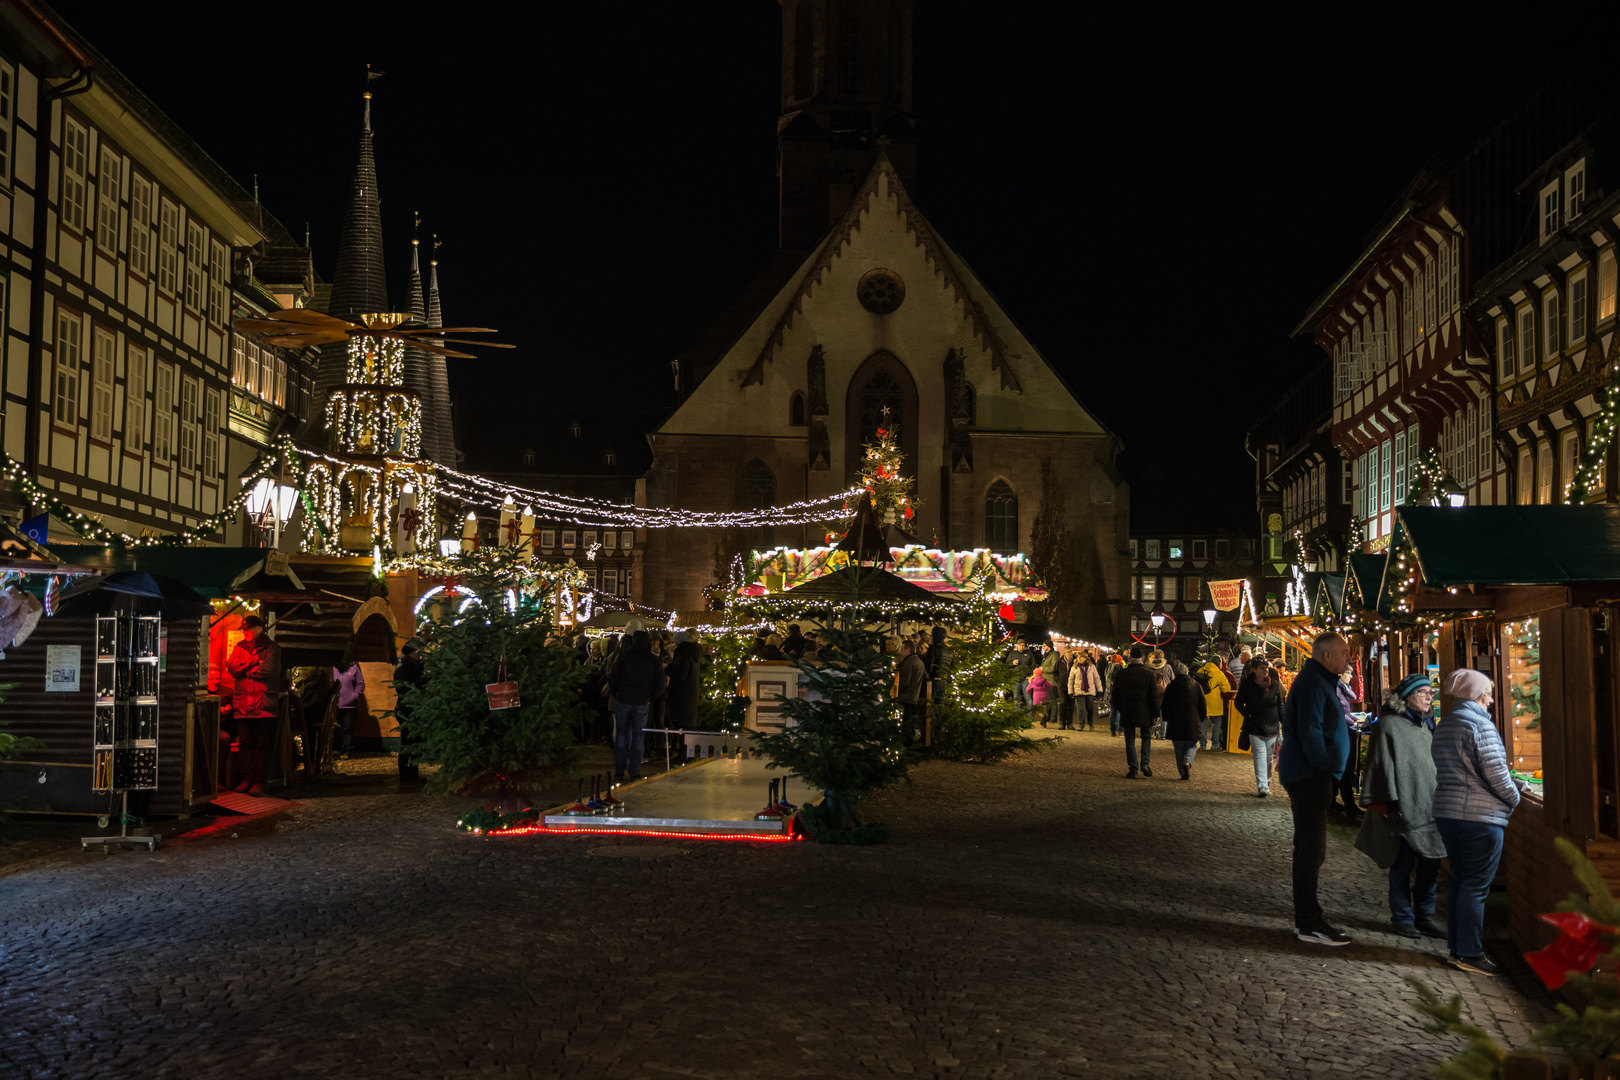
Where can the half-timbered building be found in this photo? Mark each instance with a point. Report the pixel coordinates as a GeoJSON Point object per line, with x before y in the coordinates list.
{"type": "Point", "coordinates": [125, 252]}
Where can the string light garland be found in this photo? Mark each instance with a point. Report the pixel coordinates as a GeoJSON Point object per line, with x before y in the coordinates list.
{"type": "Point", "coordinates": [1595, 453]}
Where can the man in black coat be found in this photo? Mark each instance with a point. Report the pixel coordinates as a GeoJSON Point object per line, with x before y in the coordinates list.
{"type": "Point", "coordinates": [636, 678]}
{"type": "Point", "coordinates": [1136, 699]}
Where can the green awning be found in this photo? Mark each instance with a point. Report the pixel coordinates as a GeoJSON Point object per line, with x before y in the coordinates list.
{"type": "Point", "coordinates": [214, 572]}
{"type": "Point", "coordinates": [1512, 545]}
{"type": "Point", "coordinates": [1366, 573]}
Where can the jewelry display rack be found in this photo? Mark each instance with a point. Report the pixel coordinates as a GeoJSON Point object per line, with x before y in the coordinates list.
{"type": "Point", "coordinates": [126, 722]}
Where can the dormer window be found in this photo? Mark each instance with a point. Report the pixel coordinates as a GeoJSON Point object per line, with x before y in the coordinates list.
{"type": "Point", "coordinates": [607, 458]}
{"type": "Point", "coordinates": [1550, 199]}
{"type": "Point", "coordinates": [528, 456]}
{"type": "Point", "coordinates": [575, 429]}
{"type": "Point", "coordinates": [1574, 190]}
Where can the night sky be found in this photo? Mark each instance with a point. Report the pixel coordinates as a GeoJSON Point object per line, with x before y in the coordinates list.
{"type": "Point", "coordinates": [1155, 200]}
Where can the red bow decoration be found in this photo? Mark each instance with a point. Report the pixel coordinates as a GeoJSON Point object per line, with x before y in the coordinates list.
{"type": "Point", "coordinates": [908, 511]}
{"type": "Point", "coordinates": [882, 433]}
{"type": "Point", "coordinates": [1575, 951]}
{"type": "Point", "coordinates": [513, 530]}
{"type": "Point", "coordinates": [410, 520]}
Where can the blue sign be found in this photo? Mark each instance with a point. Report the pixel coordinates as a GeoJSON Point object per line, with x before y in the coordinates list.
{"type": "Point", "coordinates": [37, 529]}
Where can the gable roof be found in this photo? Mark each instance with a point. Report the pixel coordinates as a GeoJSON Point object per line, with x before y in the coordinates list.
{"type": "Point", "coordinates": [943, 258]}
{"type": "Point", "coordinates": [1512, 545]}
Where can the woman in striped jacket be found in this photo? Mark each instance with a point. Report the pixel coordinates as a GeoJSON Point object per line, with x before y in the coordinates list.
{"type": "Point", "coordinates": [1474, 795]}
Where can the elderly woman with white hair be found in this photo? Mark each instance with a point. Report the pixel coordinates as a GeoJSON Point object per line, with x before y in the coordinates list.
{"type": "Point", "coordinates": [1473, 798]}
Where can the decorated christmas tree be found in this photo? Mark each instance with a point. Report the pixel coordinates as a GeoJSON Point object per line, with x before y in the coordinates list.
{"type": "Point", "coordinates": [976, 715]}
{"type": "Point", "coordinates": [493, 636]}
{"type": "Point", "coordinates": [883, 475]}
{"type": "Point", "coordinates": [1527, 694]}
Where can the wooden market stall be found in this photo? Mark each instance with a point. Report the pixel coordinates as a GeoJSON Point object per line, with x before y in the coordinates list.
{"type": "Point", "coordinates": [1525, 594]}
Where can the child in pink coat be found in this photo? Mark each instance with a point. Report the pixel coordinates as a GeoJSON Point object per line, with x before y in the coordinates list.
{"type": "Point", "coordinates": [1041, 690]}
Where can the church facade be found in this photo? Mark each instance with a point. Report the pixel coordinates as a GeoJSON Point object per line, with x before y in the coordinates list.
{"type": "Point", "coordinates": [867, 316]}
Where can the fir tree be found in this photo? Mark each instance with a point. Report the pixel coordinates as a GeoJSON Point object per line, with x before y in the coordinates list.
{"type": "Point", "coordinates": [977, 718]}
{"type": "Point", "coordinates": [505, 751]}
{"type": "Point", "coordinates": [846, 738]}
{"type": "Point", "coordinates": [883, 475]}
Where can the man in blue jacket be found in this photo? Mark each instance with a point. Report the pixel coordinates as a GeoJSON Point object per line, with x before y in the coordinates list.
{"type": "Point", "coordinates": [1316, 745]}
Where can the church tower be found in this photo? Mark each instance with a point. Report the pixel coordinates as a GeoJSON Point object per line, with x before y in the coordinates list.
{"type": "Point", "coordinates": [846, 86]}
{"type": "Point", "coordinates": [359, 286]}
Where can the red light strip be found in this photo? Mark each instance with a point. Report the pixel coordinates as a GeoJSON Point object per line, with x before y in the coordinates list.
{"type": "Point", "coordinates": [757, 838]}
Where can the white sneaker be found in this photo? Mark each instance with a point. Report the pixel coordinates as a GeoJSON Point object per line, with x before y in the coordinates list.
{"type": "Point", "coordinates": [1322, 934]}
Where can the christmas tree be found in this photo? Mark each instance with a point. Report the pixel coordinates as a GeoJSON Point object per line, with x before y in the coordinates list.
{"type": "Point", "coordinates": [1527, 694]}
{"type": "Point", "coordinates": [846, 737]}
{"type": "Point", "coordinates": [976, 716]}
{"type": "Point", "coordinates": [883, 475]}
{"type": "Point", "coordinates": [493, 637]}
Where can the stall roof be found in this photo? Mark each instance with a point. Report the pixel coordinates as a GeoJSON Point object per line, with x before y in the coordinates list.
{"type": "Point", "coordinates": [1513, 545]}
{"type": "Point", "coordinates": [213, 572]}
{"type": "Point", "coordinates": [1366, 572]}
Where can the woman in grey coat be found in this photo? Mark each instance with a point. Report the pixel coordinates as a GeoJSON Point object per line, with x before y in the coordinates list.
{"type": "Point", "coordinates": [1474, 795]}
{"type": "Point", "coordinates": [1397, 785]}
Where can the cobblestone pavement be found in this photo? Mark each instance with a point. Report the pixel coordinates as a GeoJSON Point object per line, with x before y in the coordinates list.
{"type": "Point", "coordinates": [1043, 918]}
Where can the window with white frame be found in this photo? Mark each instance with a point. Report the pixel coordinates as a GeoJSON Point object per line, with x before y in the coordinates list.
{"type": "Point", "coordinates": [140, 225]}
{"type": "Point", "coordinates": [1133, 548]}
{"type": "Point", "coordinates": [1399, 494]}
{"type": "Point", "coordinates": [1407, 333]}
{"type": "Point", "coordinates": [216, 283]}
{"type": "Point", "coordinates": [1544, 473]}
{"type": "Point", "coordinates": [1574, 190]}
{"type": "Point", "coordinates": [134, 399]}
{"type": "Point", "coordinates": [548, 539]}
{"type": "Point", "coordinates": [1527, 471]}
{"type": "Point", "coordinates": [278, 397]}
{"type": "Point", "coordinates": [610, 581]}
{"type": "Point", "coordinates": [1383, 497]}
{"type": "Point", "coordinates": [1456, 272]}
{"type": "Point", "coordinates": [107, 191]}
{"type": "Point", "coordinates": [1420, 318]}
{"type": "Point", "coordinates": [75, 154]}
{"type": "Point", "coordinates": [1168, 592]}
{"type": "Point", "coordinates": [194, 265]}
{"type": "Point", "coordinates": [1577, 308]}
{"type": "Point", "coordinates": [1136, 587]}
{"type": "Point", "coordinates": [1487, 452]}
{"type": "Point", "coordinates": [1392, 346]}
{"type": "Point", "coordinates": [1549, 210]}
{"type": "Point", "coordinates": [1527, 340]}
{"type": "Point", "coordinates": [1471, 447]}
{"type": "Point", "coordinates": [1152, 550]}
{"type": "Point", "coordinates": [1431, 316]}
{"type": "Point", "coordinates": [168, 245]}
{"type": "Point", "coordinates": [1192, 588]}
{"type": "Point", "coordinates": [7, 120]}
{"type": "Point", "coordinates": [1504, 348]}
{"type": "Point", "coordinates": [250, 379]}
{"type": "Point", "coordinates": [1176, 549]}
{"type": "Point", "coordinates": [627, 540]}
{"type": "Point", "coordinates": [1550, 323]}
{"type": "Point", "coordinates": [189, 390]}
{"type": "Point", "coordinates": [211, 426]}
{"type": "Point", "coordinates": [65, 407]}
{"type": "Point", "coordinates": [1200, 549]}
{"type": "Point", "coordinates": [238, 359]}
{"type": "Point", "coordinates": [1606, 285]}
{"type": "Point", "coordinates": [162, 412]}
{"type": "Point", "coordinates": [1150, 589]}
{"type": "Point", "coordinates": [102, 361]}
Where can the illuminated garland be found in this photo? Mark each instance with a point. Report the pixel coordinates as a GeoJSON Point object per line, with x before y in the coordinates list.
{"type": "Point", "coordinates": [91, 526]}
{"type": "Point", "coordinates": [375, 420]}
{"type": "Point", "coordinates": [571, 509]}
{"type": "Point", "coordinates": [959, 569]}
{"type": "Point", "coordinates": [1428, 480]}
{"type": "Point", "coordinates": [1596, 450]}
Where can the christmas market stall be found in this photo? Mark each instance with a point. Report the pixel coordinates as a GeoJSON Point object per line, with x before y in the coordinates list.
{"type": "Point", "coordinates": [1525, 594]}
{"type": "Point", "coordinates": [114, 684]}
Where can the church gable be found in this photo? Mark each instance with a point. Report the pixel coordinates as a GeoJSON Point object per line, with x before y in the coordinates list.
{"type": "Point", "coordinates": [881, 281]}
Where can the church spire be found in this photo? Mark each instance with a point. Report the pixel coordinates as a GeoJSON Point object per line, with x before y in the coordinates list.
{"type": "Point", "coordinates": [419, 362]}
{"type": "Point", "coordinates": [358, 286]}
{"type": "Point", "coordinates": [436, 412]}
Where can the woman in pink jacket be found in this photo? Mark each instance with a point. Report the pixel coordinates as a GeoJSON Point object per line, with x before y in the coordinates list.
{"type": "Point", "coordinates": [1042, 693]}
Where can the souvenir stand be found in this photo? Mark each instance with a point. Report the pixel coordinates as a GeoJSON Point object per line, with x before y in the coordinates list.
{"type": "Point", "coordinates": [1526, 594]}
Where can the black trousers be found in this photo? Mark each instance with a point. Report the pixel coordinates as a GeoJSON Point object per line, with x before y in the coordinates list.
{"type": "Point", "coordinates": [1085, 712]}
{"type": "Point", "coordinates": [345, 732]}
{"type": "Point", "coordinates": [911, 720]}
{"type": "Point", "coordinates": [1309, 799]}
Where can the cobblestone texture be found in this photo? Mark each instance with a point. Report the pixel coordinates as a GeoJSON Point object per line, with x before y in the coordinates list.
{"type": "Point", "coordinates": [1045, 918]}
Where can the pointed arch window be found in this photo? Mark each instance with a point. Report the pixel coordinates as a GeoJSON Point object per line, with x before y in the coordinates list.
{"type": "Point", "coordinates": [880, 392]}
{"type": "Point", "coordinates": [1001, 519]}
{"type": "Point", "coordinates": [796, 410]}
{"type": "Point", "coordinates": [756, 490]}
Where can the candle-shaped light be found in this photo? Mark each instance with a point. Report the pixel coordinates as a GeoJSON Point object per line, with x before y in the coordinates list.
{"type": "Point", "coordinates": [505, 529]}
{"type": "Point", "coordinates": [469, 532]}
{"type": "Point", "coordinates": [527, 536]}
{"type": "Point", "coordinates": [405, 531]}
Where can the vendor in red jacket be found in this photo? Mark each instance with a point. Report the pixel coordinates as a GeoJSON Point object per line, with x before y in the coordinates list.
{"type": "Point", "coordinates": [255, 664]}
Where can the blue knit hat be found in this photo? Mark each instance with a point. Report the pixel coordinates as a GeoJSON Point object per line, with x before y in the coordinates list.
{"type": "Point", "coordinates": [1414, 681]}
